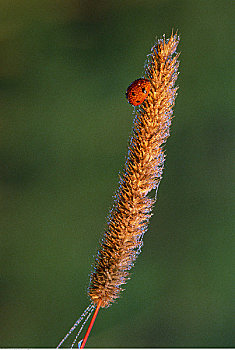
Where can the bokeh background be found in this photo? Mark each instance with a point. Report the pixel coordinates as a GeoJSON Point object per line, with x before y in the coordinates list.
{"type": "Point", "coordinates": [64, 129]}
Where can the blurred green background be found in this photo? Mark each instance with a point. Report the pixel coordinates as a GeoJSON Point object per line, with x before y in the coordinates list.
{"type": "Point", "coordinates": [64, 129]}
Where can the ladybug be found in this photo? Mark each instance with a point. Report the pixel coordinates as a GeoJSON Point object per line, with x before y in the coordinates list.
{"type": "Point", "coordinates": [137, 91]}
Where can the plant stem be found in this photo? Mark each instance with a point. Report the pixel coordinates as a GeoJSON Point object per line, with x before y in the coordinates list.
{"type": "Point", "coordinates": [91, 324]}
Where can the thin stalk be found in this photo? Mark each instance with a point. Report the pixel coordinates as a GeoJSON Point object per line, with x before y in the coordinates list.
{"type": "Point", "coordinates": [91, 324]}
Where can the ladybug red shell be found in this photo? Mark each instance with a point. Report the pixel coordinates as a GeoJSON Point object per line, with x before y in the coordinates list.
{"type": "Point", "coordinates": [137, 91]}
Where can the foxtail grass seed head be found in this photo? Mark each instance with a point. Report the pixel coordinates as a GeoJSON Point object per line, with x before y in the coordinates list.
{"type": "Point", "coordinates": [154, 94]}
{"type": "Point", "coordinates": [129, 217]}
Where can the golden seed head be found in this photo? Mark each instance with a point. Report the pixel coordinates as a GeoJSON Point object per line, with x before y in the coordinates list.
{"type": "Point", "coordinates": [131, 211]}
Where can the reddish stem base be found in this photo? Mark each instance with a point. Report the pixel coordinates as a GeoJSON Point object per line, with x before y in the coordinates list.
{"type": "Point", "coordinates": [91, 324]}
